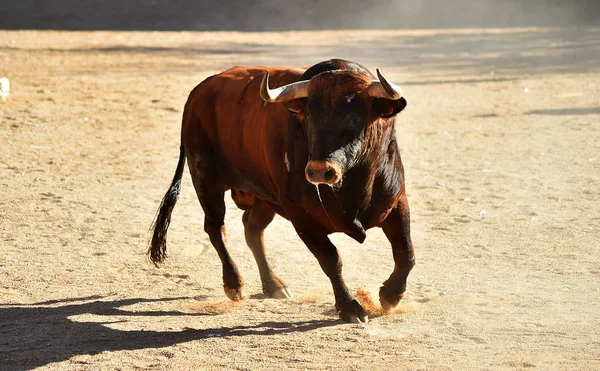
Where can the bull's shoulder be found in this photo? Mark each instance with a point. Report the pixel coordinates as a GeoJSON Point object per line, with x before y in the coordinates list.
{"type": "Point", "coordinates": [236, 91]}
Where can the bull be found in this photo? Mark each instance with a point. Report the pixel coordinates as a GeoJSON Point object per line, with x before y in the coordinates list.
{"type": "Point", "coordinates": [319, 150]}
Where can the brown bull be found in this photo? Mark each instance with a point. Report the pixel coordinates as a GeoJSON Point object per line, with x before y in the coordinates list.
{"type": "Point", "coordinates": [320, 151]}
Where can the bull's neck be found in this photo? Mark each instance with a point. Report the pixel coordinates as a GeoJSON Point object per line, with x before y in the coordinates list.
{"type": "Point", "coordinates": [377, 139]}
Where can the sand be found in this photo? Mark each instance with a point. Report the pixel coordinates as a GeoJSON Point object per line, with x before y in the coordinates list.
{"type": "Point", "coordinates": [501, 146]}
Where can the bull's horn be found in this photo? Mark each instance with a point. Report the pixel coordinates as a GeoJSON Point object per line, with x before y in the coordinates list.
{"type": "Point", "coordinates": [384, 88]}
{"type": "Point", "coordinates": [284, 93]}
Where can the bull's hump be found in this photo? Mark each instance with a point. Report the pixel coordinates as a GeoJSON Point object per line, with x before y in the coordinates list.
{"type": "Point", "coordinates": [249, 73]}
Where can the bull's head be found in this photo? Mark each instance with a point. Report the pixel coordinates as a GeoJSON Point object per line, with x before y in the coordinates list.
{"type": "Point", "coordinates": [337, 107]}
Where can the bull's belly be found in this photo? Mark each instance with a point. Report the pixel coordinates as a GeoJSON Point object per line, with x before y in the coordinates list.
{"type": "Point", "coordinates": [246, 181]}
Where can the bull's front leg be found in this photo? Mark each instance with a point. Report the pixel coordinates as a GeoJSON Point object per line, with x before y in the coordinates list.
{"type": "Point", "coordinates": [397, 229]}
{"type": "Point", "coordinates": [330, 260]}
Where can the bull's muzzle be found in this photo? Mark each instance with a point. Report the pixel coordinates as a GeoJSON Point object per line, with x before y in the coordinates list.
{"type": "Point", "coordinates": [323, 172]}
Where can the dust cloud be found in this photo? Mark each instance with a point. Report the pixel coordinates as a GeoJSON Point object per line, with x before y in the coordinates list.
{"type": "Point", "coordinates": [275, 15]}
{"type": "Point", "coordinates": [213, 307]}
{"type": "Point", "coordinates": [374, 309]}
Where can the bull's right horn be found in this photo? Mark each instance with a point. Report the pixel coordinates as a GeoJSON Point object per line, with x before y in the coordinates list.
{"type": "Point", "coordinates": [284, 93]}
{"type": "Point", "coordinates": [384, 88]}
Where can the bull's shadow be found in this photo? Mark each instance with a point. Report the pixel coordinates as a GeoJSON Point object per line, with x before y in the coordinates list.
{"type": "Point", "coordinates": [38, 334]}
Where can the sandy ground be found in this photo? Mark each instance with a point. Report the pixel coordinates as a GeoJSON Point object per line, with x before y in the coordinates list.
{"type": "Point", "coordinates": [501, 145]}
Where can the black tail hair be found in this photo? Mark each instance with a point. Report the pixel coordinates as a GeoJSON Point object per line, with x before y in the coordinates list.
{"type": "Point", "coordinates": [158, 246]}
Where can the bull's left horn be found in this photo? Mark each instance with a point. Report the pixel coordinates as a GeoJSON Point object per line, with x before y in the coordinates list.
{"type": "Point", "coordinates": [384, 88]}
{"type": "Point", "coordinates": [284, 93]}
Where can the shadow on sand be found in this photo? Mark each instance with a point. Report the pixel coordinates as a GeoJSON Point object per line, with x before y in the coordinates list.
{"type": "Point", "coordinates": [38, 334]}
{"type": "Point", "coordinates": [566, 111]}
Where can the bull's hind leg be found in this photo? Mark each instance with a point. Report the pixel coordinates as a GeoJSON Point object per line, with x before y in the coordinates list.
{"type": "Point", "coordinates": [212, 198]}
{"type": "Point", "coordinates": [256, 219]}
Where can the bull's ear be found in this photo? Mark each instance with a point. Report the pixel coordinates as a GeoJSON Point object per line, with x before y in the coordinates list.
{"type": "Point", "coordinates": [295, 106]}
{"type": "Point", "coordinates": [387, 108]}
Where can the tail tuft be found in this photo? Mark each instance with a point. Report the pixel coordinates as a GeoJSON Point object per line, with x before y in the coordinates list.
{"type": "Point", "coordinates": [157, 251]}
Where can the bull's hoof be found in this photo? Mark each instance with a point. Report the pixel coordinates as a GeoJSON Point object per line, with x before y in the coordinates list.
{"type": "Point", "coordinates": [388, 302]}
{"type": "Point", "coordinates": [235, 293]}
{"type": "Point", "coordinates": [352, 312]}
{"type": "Point", "coordinates": [277, 289]}
{"type": "Point", "coordinates": [281, 293]}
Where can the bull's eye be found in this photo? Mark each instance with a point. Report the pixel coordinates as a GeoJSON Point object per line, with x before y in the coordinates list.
{"type": "Point", "coordinates": [349, 97]}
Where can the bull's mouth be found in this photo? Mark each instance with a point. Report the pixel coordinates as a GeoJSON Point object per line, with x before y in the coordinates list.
{"type": "Point", "coordinates": [337, 185]}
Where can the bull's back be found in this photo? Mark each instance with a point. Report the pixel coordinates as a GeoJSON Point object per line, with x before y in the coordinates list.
{"type": "Point", "coordinates": [226, 114]}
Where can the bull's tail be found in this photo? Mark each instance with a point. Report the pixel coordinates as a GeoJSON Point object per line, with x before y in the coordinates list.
{"type": "Point", "coordinates": [158, 246]}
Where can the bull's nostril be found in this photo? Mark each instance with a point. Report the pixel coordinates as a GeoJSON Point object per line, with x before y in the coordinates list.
{"type": "Point", "coordinates": [329, 174]}
{"type": "Point", "coordinates": [310, 172]}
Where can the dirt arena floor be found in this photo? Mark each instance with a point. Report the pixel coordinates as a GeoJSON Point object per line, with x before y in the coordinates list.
{"type": "Point", "coordinates": [501, 145]}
